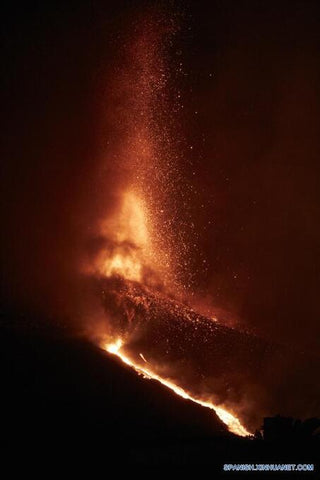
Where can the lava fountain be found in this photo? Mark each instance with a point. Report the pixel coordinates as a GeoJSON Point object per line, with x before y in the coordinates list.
{"type": "Point", "coordinates": [135, 269]}
{"type": "Point", "coordinates": [148, 323]}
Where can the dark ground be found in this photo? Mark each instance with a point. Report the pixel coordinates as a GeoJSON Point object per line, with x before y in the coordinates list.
{"type": "Point", "coordinates": [65, 398]}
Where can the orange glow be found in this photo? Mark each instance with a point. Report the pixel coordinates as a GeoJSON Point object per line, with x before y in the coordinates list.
{"type": "Point", "coordinates": [130, 223]}
{"type": "Point", "coordinates": [125, 265]}
{"type": "Point", "coordinates": [225, 416]}
{"type": "Point", "coordinates": [131, 249]}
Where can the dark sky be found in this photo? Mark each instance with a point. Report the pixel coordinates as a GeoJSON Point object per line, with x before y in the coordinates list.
{"type": "Point", "coordinates": [255, 76]}
{"type": "Point", "coordinates": [252, 77]}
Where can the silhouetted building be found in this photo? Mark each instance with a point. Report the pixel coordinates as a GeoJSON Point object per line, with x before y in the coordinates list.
{"type": "Point", "coordinates": [288, 428]}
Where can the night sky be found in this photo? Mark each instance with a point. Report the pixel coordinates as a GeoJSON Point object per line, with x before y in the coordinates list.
{"type": "Point", "coordinates": [251, 116]}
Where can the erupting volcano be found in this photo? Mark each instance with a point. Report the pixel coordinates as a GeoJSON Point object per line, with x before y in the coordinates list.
{"type": "Point", "coordinates": [160, 232]}
{"type": "Point", "coordinates": [141, 268]}
{"type": "Point", "coordinates": [137, 263]}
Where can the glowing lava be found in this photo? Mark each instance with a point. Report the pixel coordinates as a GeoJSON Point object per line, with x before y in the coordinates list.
{"type": "Point", "coordinates": [226, 417]}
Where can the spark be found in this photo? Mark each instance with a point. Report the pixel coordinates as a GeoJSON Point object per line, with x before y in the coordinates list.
{"type": "Point", "coordinates": [143, 358]}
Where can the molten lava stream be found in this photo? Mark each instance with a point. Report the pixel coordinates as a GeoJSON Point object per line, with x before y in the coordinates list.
{"type": "Point", "coordinates": [226, 417]}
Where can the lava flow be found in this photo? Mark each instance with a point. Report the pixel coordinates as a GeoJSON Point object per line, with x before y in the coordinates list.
{"type": "Point", "coordinates": [230, 420]}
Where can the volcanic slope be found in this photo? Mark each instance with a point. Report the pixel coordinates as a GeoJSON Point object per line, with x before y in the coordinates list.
{"type": "Point", "coordinates": [246, 374]}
